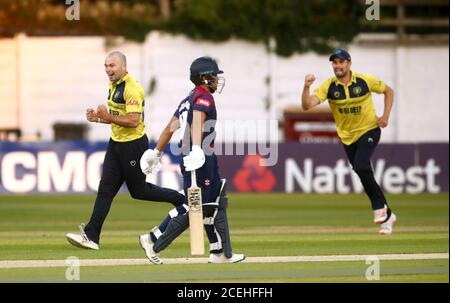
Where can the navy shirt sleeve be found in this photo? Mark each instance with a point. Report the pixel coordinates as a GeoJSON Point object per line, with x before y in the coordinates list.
{"type": "Point", "coordinates": [176, 114]}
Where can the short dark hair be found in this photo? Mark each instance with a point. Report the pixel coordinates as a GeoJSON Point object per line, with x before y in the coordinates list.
{"type": "Point", "coordinates": [121, 56]}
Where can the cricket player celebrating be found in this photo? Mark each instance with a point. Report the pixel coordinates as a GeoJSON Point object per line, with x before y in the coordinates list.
{"type": "Point", "coordinates": [127, 144]}
{"type": "Point", "coordinates": [349, 96]}
{"type": "Point", "coordinates": [195, 116]}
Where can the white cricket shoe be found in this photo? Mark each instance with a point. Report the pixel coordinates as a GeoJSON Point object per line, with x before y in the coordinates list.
{"type": "Point", "coordinates": [81, 240]}
{"type": "Point", "coordinates": [379, 215]}
{"type": "Point", "coordinates": [220, 258]}
{"type": "Point", "coordinates": [147, 245]}
{"type": "Point", "coordinates": [386, 228]}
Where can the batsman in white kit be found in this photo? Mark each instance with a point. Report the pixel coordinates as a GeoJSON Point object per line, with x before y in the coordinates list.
{"type": "Point", "coordinates": [206, 200]}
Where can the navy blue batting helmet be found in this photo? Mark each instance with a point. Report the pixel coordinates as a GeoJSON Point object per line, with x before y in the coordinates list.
{"type": "Point", "coordinates": [204, 66]}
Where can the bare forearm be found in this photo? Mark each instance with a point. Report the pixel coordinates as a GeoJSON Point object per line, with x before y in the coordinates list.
{"type": "Point", "coordinates": [130, 120]}
{"type": "Point", "coordinates": [197, 127]}
{"type": "Point", "coordinates": [305, 97]}
{"type": "Point", "coordinates": [124, 121]}
{"type": "Point", "coordinates": [388, 101]}
{"type": "Point", "coordinates": [164, 139]}
{"type": "Point", "coordinates": [308, 101]}
{"type": "Point", "coordinates": [167, 133]}
{"type": "Point", "coordinates": [102, 121]}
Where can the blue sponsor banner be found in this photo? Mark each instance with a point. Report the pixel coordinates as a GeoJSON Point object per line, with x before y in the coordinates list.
{"type": "Point", "coordinates": [64, 167]}
{"type": "Point", "coordinates": [75, 167]}
{"type": "Point", "coordinates": [48, 167]}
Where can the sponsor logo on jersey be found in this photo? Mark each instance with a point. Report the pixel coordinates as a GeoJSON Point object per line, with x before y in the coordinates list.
{"type": "Point", "coordinates": [356, 110]}
{"type": "Point", "coordinates": [203, 102]}
{"type": "Point", "coordinates": [132, 103]}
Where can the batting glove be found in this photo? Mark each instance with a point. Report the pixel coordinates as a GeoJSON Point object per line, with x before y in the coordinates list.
{"type": "Point", "coordinates": [150, 161]}
{"type": "Point", "coordinates": [195, 159]}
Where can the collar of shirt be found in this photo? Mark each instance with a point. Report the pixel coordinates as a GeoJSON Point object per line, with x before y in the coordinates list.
{"type": "Point", "coordinates": [199, 87]}
{"type": "Point", "coordinates": [124, 78]}
{"type": "Point", "coordinates": [352, 80]}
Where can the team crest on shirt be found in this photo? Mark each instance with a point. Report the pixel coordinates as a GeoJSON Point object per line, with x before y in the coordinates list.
{"type": "Point", "coordinates": [357, 90]}
{"type": "Point", "coordinates": [207, 182]}
{"type": "Point", "coordinates": [203, 102]}
{"type": "Point", "coordinates": [337, 94]}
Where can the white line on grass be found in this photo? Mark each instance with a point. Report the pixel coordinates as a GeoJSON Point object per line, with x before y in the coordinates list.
{"type": "Point", "coordinates": [117, 262]}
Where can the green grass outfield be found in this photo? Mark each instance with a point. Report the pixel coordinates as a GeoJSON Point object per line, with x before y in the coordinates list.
{"type": "Point", "coordinates": [33, 227]}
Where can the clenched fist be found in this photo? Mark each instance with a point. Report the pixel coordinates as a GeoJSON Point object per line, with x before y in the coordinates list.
{"type": "Point", "coordinates": [91, 115]}
{"type": "Point", "coordinates": [102, 112]}
{"type": "Point", "coordinates": [309, 80]}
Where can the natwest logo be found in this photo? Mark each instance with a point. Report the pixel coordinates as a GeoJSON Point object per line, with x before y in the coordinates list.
{"type": "Point", "coordinates": [340, 178]}
{"type": "Point", "coordinates": [254, 177]}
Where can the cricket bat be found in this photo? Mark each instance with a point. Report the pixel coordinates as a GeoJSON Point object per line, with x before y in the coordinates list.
{"type": "Point", "coordinates": [194, 194]}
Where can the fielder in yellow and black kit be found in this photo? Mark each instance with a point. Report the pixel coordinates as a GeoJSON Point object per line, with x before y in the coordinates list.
{"type": "Point", "coordinates": [349, 96]}
{"type": "Point", "coordinates": [126, 146]}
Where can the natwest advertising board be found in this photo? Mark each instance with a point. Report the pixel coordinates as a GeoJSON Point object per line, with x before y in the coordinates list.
{"type": "Point", "coordinates": [323, 168]}
{"type": "Point", "coordinates": [75, 167]}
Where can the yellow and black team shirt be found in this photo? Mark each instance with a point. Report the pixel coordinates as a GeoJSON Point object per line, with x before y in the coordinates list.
{"type": "Point", "coordinates": [352, 105]}
{"type": "Point", "coordinates": [126, 96]}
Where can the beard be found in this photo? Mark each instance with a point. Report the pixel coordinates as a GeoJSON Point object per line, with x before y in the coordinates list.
{"type": "Point", "coordinates": [340, 73]}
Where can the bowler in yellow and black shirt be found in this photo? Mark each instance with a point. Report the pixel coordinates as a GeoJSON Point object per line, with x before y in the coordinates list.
{"type": "Point", "coordinates": [128, 142]}
{"type": "Point", "coordinates": [349, 96]}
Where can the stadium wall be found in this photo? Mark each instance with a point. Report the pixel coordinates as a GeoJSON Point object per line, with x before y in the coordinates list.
{"type": "Point", "coordinates": [54, 79]}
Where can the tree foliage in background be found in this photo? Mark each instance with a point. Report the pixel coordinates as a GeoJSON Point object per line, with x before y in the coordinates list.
{"type": "Point", "coordinates": [128, 18]}
{"type": "Point", "coordinates": [295, 25]}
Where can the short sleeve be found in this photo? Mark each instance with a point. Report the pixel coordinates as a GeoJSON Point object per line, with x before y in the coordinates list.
{"type": "Point", "coordinates": [375, 84]}
{"type": "Point", "coordinates": [203, 103]}
{"type": "Point", "coordinates": [133, 100]}
{"type": "Point", "coordinates": [176, 114]}
{"type": "Point", "coordinates": [322, 91]}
